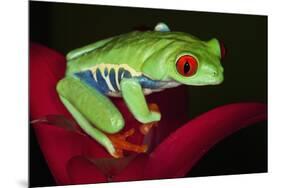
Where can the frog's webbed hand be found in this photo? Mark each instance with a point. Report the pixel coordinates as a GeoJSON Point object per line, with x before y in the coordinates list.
{"type": "Point", "coordinates": [133, 95]}
{"type": "Point", "coordinates": [90, 106]}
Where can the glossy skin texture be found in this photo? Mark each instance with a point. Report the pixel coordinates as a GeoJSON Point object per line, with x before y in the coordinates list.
{"type": "Point", "coordinates": [131, 66]}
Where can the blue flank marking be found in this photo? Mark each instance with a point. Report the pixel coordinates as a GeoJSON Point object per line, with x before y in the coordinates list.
{"type": "Point", "coordinates": [120, 71]}
{"type": "Point", "coordinates": [105, 71]}
{"type": "Point", "coordinates": [101, 85]}
{"type": "Point", "coordinates": [101, 81]}
{"type": "Point", "coordinates": [112, 79]}
{"type": "Point", "coordinates": [148, 83]}
{"type": "Point", "coordinates": [88, 78]}
{"type": "Point", "coordinates": [127, 74]}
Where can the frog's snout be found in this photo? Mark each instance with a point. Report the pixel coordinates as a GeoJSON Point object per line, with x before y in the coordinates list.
{"type": "Point", "coordinates": [217, 76]}
{"type": "Point", "coordinates": [217, 71]}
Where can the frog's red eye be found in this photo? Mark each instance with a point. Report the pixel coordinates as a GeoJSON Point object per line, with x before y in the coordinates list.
{"type": "Point", "coordinates": [187, 65]}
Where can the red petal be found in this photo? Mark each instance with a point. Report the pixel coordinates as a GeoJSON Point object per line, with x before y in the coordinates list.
{"type": "Point", "coordinates": [134, 171]}
{"type": "Point", "coordinates": [84, 171]}
{"type": "Point", "coordinates": [59, 121]}
{"type": "Point", "coordinates": [46, 68]}
{"type": "Point", "coordinates": [173, 105]}
{"type": "Point", "coordinates": [58, 145]}
{"type": "Point", "coordinates": [124, 169]}
{"type": "Point", "coordinates": [182, 149]}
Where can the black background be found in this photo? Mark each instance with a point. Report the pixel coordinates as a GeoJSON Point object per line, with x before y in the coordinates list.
{"type": "Point", "coordinates": [64, 27]}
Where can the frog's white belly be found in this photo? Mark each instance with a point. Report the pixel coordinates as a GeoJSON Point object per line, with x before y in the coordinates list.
{"type": "Point", "coordinates": [106, 78]}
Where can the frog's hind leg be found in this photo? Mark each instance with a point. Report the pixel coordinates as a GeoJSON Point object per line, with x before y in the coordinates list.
{"type": "Point", "coordinates": [90, 106]}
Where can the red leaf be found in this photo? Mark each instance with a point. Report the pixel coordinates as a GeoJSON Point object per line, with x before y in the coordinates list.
{"type": "Point", "coordinates": [83, 170]}
{"type": "Point", "coordinates": [46, 68]}
{"type": "Point", "coordinates": [183, 148]}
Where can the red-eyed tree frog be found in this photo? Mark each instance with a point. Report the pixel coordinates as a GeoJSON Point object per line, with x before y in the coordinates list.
{"type": "Point", "coordinates": [131, 66]}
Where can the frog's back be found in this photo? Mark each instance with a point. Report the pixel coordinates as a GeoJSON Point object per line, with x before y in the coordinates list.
{"type": "Point", "coordinates": [131, 48]}
{"type": "Point", "coordinates": [104, 64]}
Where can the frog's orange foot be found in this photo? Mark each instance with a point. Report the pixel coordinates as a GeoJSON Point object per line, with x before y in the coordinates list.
{"type": "Point", "coordinates": [145, 128]}
{"type": "Point", "coordinates": [120, 143]}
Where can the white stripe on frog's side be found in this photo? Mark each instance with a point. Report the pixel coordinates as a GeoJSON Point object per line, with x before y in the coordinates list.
{"type": "Point", "coordinates": [105, 72]}
{"type": "Point", "coordinates": [116, 78]}
{"type": "Point", "coordinates": [107, 79]}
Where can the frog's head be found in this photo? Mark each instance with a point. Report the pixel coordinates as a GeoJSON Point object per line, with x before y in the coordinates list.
{"type": "Point", "coordinates": [199, 65]}
{"type": "Point", "coordinates": [191, 63]}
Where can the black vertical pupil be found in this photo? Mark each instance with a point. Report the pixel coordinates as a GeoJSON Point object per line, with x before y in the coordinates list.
{"type": "Point", "coordinates": [186, 67]}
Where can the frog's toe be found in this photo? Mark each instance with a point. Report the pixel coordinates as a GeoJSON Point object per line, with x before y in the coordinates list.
{"type": "Point", "coordinates": [120, 144]}
{"type": "Point", "coordinates": [145, 128]}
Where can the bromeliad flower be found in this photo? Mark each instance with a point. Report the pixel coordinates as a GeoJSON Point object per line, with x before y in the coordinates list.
{"type": "Point", "coordinates": [175, 145]}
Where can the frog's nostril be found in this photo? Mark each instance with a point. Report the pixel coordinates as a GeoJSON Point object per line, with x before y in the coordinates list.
{"type": "Point", "coordinates": [215, 73]}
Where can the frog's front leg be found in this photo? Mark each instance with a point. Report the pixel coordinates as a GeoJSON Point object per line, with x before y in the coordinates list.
{"type": "Point", "coordinates": [90, 106]}
{"type": "Point", "coordinates": [133, 95]}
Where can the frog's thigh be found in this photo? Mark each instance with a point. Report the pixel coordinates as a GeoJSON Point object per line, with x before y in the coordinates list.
{"type": "Point", "coordinates": [93, 105]}
{"type": "Point", "coordinates": [88, 128]}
